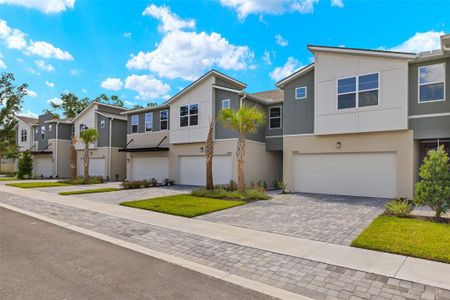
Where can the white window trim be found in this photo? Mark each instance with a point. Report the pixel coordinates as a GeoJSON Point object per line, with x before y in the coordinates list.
{"type": "Point", "coordinates": [145, 122]}
{"type": "Point", "coordinates": [281, 117]}
{"type": "Point", "coordinates": [357, 91]}
{"type": "Point", "coordinates": [306, 92]}
{"type": "Point", "coordinates": [137, 123]}
{"type": "Point", "coordinates": [189, 115]}
{"type": "Point", "coordinates": [50, 127]}
{"type": "Point", "coordinates": [23, 133]}
{"type": "Point", "coordinates": [420, 84]}
{"type": "Point", "coordinates": [43, 133]}
{"type": "Point", "coordinates": [225, 101]}
{"type": "Point", "coordinates": [160, 120]}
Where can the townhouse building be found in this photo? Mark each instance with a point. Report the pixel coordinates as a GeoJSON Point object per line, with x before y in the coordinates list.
{"type": "Point", "coordinates": [25, 132]}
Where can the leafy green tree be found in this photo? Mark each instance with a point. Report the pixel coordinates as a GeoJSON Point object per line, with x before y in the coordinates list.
{"type": "Point", "coordinates": [70, 105]}
{"type": "Point", "coordinates": [88, 137]}
{"type": "Point", "coordinates": [10, 104]}
{"type": "Point", "coordinates": [113, 100]}
{"type": "Point", "coordinates": [25, 165]}
{"type": "Point", "coordinates": [433, 189]}
{"type": "Point", "coordinates": [245, 120]}
{"type": "Point", "coordinates": [48, 111]}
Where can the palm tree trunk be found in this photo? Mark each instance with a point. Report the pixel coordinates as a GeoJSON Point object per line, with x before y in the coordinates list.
{"type": "Point", "coordinates": [86, 163]}
{"type": "Point", "coordinates": [240, 153]}
{"type": "Point", "coordinates": [209, 150]}
{"type": "Point", "coordinates": [73, 159]}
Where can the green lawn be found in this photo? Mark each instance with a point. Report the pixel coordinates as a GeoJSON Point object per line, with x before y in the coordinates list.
{"type": "Point", "coordinates": [7, 178]}
{"type": "Point", "coordinates": [183, 205]}
{"type": "Point", "coordinates": [90, 191]}
{"type": "Point", "coordinates": [32, 185]}
{"type": "Point", "coordinates": [412, 237]}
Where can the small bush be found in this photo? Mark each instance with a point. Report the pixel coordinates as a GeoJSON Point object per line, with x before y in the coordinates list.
{"type": "Point", "coordinates": [168, 181]}
{"type": "Point", "coordinates": [222, 193]}
{"type": "Point", "coordinates": [255, 194]}
{"type": "Point", "coordinates": [25, 165]}
{"type": "Point", "coordinates": [127, 185]}
{"type": "Point", "coordinates": [231, 186]}
{"type": "Point", "coordinates": [153, 182]}
{"type": "Point", "coordinates": [262, 184]}
{"type": "Point", "coordinates": [80, 180]}
{"type": "Point", "coordinates": [399, 207]}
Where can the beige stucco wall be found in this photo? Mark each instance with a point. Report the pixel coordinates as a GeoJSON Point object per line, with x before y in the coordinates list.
{"type": "Point", "coordinates": [400, 142]}
{"type": "Point", "coordinates": [118, 161]}
{"type": "Point", "coordinates": [63, 157]}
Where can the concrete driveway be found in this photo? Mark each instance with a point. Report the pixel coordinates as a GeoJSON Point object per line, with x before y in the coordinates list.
{"type": "Point", "coordinates": [328, 218]}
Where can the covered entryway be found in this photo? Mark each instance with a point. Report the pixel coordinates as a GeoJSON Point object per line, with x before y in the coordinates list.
{"type": "Point", "coordinates": [193, 170]}
{"type": "Point", "coordinates": [149, 167]}
{"type": "Point", "coordinates": [97, 167]}
{"type": "Point", "coordinates": [43, 165]}
{"type": "Point", "coordinates": [356, 174]}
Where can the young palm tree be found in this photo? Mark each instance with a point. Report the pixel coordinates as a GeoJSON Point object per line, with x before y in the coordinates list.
{"type": "Point", "coordinates": [209, 151]}
{"type": "Point", "coordinates": [245, 120]}
{"type": "Point", "coordinates": [73, 158]}
{"type": "Point", "coordinates": [88, 136]}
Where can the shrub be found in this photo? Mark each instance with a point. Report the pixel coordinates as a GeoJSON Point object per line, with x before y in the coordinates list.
{"type": "Point", "coordinates": [80, 180]}
{"type": "Point", "coordinates": [255, 194]}
{"type": "Point", "coordinates": [399, 207]}
{"type": "Point", "coordinates": [221, 193]}
{"type": "Point", "coordinates": [231, 186]}
{"type": "Point", "coordinates": [168, 181]}
{"type": "Point", "coordinates": [126, 185]}
{"type": "Point", "coordinates": [153, 182]}
{"type": "Point", "coordinates": [434, 187]}
{"type": "Point", "coordinates": [262, 184]}
{"type": "Point", "coordinates": [25, 165]}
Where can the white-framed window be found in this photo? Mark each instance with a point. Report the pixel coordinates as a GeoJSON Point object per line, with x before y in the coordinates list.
{"type": "Point", "coordinates": [148, 121]}
{"type": "Point", "coordinates": [301, 93]}
{"type": "Point", "coordinates": [83, 127]}
{"type": "Point", "coordinates": [226, 103]}
{"type": "Point", "coordinates": [134, 123]}
{"type": "Point", "coordinates": [431, 83]}
{"type": "Point", "coordinates": [189, 115]}
{"type": "Point", "coordinates": [164, 120]}
{"type": "Point", "coordinates": [102, 123]}
{"type": "Point", "coordinates": [275, 117]}
{"type": "Point", "coordinates": [42, 132]}
{"type": "Point", "coordinates": [358, 91]}
{"type": "Point", "coordinates": [23, 135]}
{"type": "Point", "coordinates": [50, 127]}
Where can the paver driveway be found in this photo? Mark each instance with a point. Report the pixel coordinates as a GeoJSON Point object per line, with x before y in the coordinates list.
{"type": "Point", "coordinates": [327, 218]}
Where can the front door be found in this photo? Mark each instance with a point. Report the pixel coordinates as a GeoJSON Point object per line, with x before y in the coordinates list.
{"type": "Point", "coordinates": [427, 145]}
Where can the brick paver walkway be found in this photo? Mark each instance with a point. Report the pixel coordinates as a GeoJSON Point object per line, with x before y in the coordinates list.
{"type": "Point", "coordinates": [302, 276]}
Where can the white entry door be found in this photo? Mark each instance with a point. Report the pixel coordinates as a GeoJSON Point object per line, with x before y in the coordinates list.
{"type": "Point", "coordinates": [356, 174]}
{"type": "Point", "coordinates": [149, 167]}
{"type": "Point", "coordinates": [193, 170]}
{"type": "Point", "coordinates": [43, 167]}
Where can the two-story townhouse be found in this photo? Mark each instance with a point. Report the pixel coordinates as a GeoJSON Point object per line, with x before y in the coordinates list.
{"type": "Point", "coordinates": [51, 145]}
{"type": "Point", "coordinates": [25, 132]}
{"type": "Point", "coordinates": [358, 122]}
{"type": "Point", "coordinates": [104, 157]}
{"type": "Point", "coordinates": [168, 141]}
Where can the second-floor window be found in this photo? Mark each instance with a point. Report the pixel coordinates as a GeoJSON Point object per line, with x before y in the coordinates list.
{"type": "Point", "coordinates": [432, 83]}
{"type": "Point", "coordinates": [83, 127]}
{"type": "Point", "coordinates": [134, 123]}
{"type": "Point", "coordinates": [164, 119]}
{"type": "Point", "coordinates": [189, 115]}
{"type": "Point", "coordinates": [50, 127]}
{"type": "Point", "coordinates": [226, 103]}
{"type": "Point", "coordinates": [358, 91]}
{"type": "Point", "coordinates": [42, 132]}
{"type": "Point", "coordinates": [275, 117]}
{"type": "Point", "coordinates": [23, 135]}
{"type": "Point", "coordinates": [148, 121]}
{"type": "Point", "coordinates": [301, 93]}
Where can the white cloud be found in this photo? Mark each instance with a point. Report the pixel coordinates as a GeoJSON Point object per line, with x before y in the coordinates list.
{"type": "Point", "coordinates": [337, 3]}
{"type": "Point", "coordinates": [169, 21]}
{"type": "Point", "coordinates": [280, 40]}
{"type": "Point", "coordinates": [127, 35]}
{"type": "Point", "coordinates": [110, 83]}
{"type": "Point", "coordinates": [147, 86]}
{"type": "Point", "coordinates": [46, 6]}
{"type": "Point", "coordinates": [269, 7]}
{"type": "Point", "coordinates": [31, 93]}
{"type": "Point", "coordinates": [47, 50]}
{"type": "Point", "coordinates": [55, 100]}
{"type": "Point", "coordinates": [14, 38]}
{"type": "Point", "coordinates": [282, 72]}
{"type": "Point", "coordinates": [84, 90]}
{"type": "Point", "coordinates": [75, 72]}
{"type": "Point", "coordinates": [50, 84]}
{"type": "Point", "coordinates": [421, 41]}
{"type": "Point", "coordinates": [267, 57]}
{"type": "Point", "coordinates": [41, 64]}
{"type": "Point", "coordinates": [28, 113]}
{"type": "Point", "coordinates": [2, 63]}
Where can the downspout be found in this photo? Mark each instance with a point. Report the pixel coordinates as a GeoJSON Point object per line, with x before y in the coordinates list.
{"type": "Point", "coordinates": [56, 149]}
{"type": "Point", "coordinates": [241, 99]}
{"type": "Point", "coordinates": [109, 150]}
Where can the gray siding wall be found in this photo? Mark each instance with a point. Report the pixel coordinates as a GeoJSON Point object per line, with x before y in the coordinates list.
{"type": "Point", "coordinates": [141, 125]}
{"type": "Point", "coordinates": [119, 133]}
{"type": "Point", "coordinates": [65, 131]}
{"type": "Point", "coordinates": [103, 133]}
{"type": "Point", "coordinates": [227, 84]}
{"type": "Point", "coordinates": [298, 115]}
{"type": "Point", "coordinates": [108, 109]}
{"type": "Point", "coordinates": [274, 144]}
{"type": "Point", "coordinates": [220, 131]}
{"type": "Point", "coordinates": [275, 131]}
{"type": "Point", "coordinates": [431, 128]}
{"type": "Point", "coordinates": [42, 143]}
{"type": "Point", "coordinates": [260, 135]}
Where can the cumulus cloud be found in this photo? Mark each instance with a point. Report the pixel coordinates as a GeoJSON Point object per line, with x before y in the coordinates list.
{"type": "Point", "coordinates": [280, 40]}
{"type": "Point", "coordinates": [47, 50]}
{"type": "Point", "coordinates": [267, 57]}
{"type": "Point", "coordinates": [421, 41]}
{"type": "Point", "coordinates": [50, 84]}
{"type": "Point", "coordinates": [2, 63]}
{"type": "Point", "coordinates": [127, 35]}
{"type": "Point", "coordinates": [41, 64]}
{"type": "Point", "coordinates": [28, 114]}
{"type": "Point", "coordinates": [84, 90]}
{"type": "Point", "coordinates": [14, 38]}
{"type": "Point", "coordinates": [75, 72]}
{"type": "Point", "coordinates": [147, 86]}
{"type": "Point", "coordinates": [45, 6]}
{"type": "Point", "coordinates": [288, 68]}
{"type": "Point", "coordinates": [55, 100]}
{"type": "Point", "coordinates": [169, 21]}
{"type": "Point", "coordinates": [110, 83]}
{"type": "Point", "coordinates": [31, 93]}
{"type": "Point", "coordinates": [337, 3]}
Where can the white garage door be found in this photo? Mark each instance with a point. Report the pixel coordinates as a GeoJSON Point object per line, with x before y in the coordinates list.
{"type": "Point", "coordinates": [357, 174]}
{"type": "Point", "coordinates": [96, 167]}
{"type": "Point", "coordinates": [193, 170]}
{"type": "Point", "coordinates": [43, 167]}
{"type": "Point", "coordinates": [149, 167]}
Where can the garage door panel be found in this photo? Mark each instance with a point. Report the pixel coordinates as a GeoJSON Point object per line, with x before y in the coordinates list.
{"type": "Point", "coordinates": [193, 170]}
{"type": "Point", "coordinates": [149, 167]}
{"type": "Point", "coordinates": [44, 167]}
{"type": "Point", "coordinates": [96, 167]}
{"type": "Point", "coordinates": [358, 174]}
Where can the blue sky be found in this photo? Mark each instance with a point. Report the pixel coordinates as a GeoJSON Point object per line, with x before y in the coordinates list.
{"type": "Point", "coordinates": [146, 51]}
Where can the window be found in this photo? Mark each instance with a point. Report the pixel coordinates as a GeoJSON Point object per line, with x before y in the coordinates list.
{"type": "Point", "coordinates": [225, 103]}
{"type": "Point", "coordinates": [134, 123]}
{"type": "Point", "coordinates": [432, 83]}
{"type": "Point", "coordinates": [42, 132]}
{"type": "Point", "coordinates": [164, 119]}
{"type": "Point", "coordinates": [361, 91]}
{"type": "Point", "coordinates": [50, 127]}
{"type": "Point", "coordinates": [23, 135]}
{"type": "Point", "coordinates": [102, 123]}
{"type": "Point", "coordinates": [300, 93]}
{"type": "Point", "coordinates": [189, 115]}
{"type": "Point", "coordinates": [83, 127]}
{"type": "Point", "coordinates": [275, 117]}
{"type": "Point", "coordinates": [148, 121]}
{"type": "Point", "coordinates": [36, 130]}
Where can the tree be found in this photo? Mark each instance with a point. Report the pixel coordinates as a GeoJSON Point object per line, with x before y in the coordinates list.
{"type": "Point", "coordinates": [70, 105]}
{"type": "Point", "coordinates": [245, 120]}
{"type": "Point", "coordinates": [10, 104]}
{"type": "Point", "coordinates": [48, 111]}
{"type": "Point", "coordinates": [73, 158]}
{"type": "Point", "coordinates": [25, 165]}
{"type": "Point", "coordinates": [209, 150]}
{"type": "Point", "coordinates": [434, 187]}
{"type": "Point", "coordinates": [113, 100]}
{"type": "Point", "coordinates": [88, 137]}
